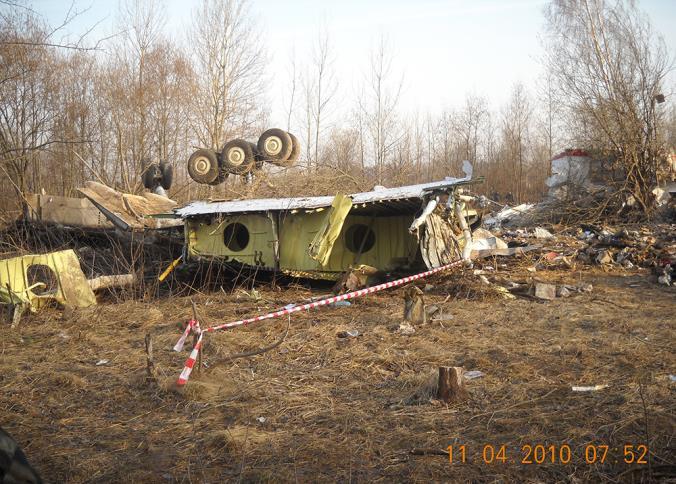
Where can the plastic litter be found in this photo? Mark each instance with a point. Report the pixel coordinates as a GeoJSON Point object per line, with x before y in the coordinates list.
{"type": "Point", "coordinates": [406, 328]}
{"type": "Point", "coordinates": [590, 388]}
{"type": "Point", "coordinates": [353, 333]}
{"type": "Point", "coordinates": [339, 304]}
{"type": "Point", "coordinates": [541, 233]}
{"type": "Point", "coordinates": [471, 375]}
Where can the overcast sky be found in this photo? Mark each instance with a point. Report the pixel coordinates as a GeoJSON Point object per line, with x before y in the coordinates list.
{"type": "Point", "coordinates": [442, 48]}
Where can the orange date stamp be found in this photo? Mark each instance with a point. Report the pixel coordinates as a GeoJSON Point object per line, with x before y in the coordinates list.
{"type": "Point", "coordinates": [541, 454]}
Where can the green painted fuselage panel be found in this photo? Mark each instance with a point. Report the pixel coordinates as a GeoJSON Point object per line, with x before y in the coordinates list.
{"type": "Point", "coordinates": [390, 246]}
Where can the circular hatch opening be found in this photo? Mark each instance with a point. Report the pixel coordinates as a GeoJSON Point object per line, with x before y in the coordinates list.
{"type": "Point", "coordinates": [236, 237]}
{"type": "Point", "coordinates": [358, 234]}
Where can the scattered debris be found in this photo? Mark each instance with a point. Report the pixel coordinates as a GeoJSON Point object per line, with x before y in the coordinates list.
{"type": "Point", "coordinates": [541, 233]}
{"type": "Point", "coordinates": [665, 277]}
{"type": "Point", "coordinates": [405, 328]}
{"type": "Point", "coordinates": [473, 374]}
{"type": "Point", "coordinates": [604, 257]}
{"type": "Point", "coordinates": [443, 317]}
{"type": "Point", "coordinates": [508, 215]}
{"type": "Point", "coordinates": [484, 279]}
{"type": "Point", "coordinates": [340, 304]}
{"type": "Point", "coordinates": [590, 388]}
{"type": "Point", "coordinates": [102, 362]}
{"type": "Point", "coordinates": [504, 292]}
{"type": "Point", "coordinates": [545, 291]}
{"type": "Point", "coordinates": [354, 279]}
{"type": "Point", "coordinates": [431, 310]}
{"type": "Point", "coordinates": [348, 334]}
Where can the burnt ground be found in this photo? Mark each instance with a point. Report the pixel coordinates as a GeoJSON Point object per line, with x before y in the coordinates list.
{"type": "Point", "coordinates": [323, 408]}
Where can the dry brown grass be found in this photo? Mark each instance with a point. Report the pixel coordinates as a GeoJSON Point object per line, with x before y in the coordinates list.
{"type": "Point", "coordinates": [339, 409]}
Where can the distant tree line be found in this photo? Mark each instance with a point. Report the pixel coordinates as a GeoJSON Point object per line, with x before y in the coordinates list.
{"type": "Point", "coordinates": [76, 111]}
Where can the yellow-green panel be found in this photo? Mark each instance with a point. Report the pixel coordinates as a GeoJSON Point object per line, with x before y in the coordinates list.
{"type": "Point", "coordinates": [207, 239]}
{"type": "Point", "coordinates": [393, 243]}
{"type": "Point", "coordinates": [71, 289]}
{"type": "Point", "coordinates": [322, 245]}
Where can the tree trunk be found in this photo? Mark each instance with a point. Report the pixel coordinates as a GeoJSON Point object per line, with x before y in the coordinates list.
{"type": "Point", "coordinates": [451, 387]}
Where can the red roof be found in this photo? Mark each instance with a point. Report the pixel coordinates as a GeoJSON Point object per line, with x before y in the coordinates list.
{"type": "Point", "coordinates": [571, 152]}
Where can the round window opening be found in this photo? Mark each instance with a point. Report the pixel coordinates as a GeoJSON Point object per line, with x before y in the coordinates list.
{"type": "Point", "coordinates": [236, 237]}
{"type": "Point", "coordinates": [359, 236]}
{"type": "Point", "coordinates": [40, 273]}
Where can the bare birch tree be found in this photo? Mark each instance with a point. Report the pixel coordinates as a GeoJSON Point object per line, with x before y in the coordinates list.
{"type": "Point", "coordinates": [319, 89]}
{"type": "Point", "coordinates": [379, 104]}
{"type": "Point", "coordinates": [230, 66]}
{"type": "Point", "coordinates": [26, 82]}
{"type": "Point", "coordinates": [516, 123]}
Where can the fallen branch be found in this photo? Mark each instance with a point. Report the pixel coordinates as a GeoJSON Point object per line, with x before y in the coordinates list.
{"type": "Point", "coordinates": [261, 350]}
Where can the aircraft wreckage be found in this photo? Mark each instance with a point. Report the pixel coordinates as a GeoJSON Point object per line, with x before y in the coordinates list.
{"type": "Point", "coordinates": [387, 229]}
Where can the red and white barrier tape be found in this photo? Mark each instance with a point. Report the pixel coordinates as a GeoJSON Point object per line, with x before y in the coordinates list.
{"type": "Point", "coordinates": [193, 326]}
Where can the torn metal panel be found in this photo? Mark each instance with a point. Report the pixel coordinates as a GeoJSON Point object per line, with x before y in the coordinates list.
{"type": "Point", "coordinates": [44, 277]}
{"type": "Point", "coordinates": [431, 205]}
{"type": "Point", "coordinates": [415, 192]}
{"type": "Point", "coordinates": [322, 245]}
{"type": "Point", "coordinates": [69, 211]}
{"type": "Point", "coordinates": [130, 212]}
{"type": "Point", "coordinates": [439, 245]}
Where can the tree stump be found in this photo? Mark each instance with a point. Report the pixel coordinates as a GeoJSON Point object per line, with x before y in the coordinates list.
{"type": "Point", "coordinates": [451, 387]}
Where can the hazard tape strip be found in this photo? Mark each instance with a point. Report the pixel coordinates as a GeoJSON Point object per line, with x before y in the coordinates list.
{"type": "Point", "coordinates": [193, 326]}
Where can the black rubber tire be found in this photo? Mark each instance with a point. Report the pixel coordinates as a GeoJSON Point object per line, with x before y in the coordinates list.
{"type": "Point", "coordinates": [259, 161]}
{"type": "Point", "coordinates": [295, 151]}
{"type": "Point", "coordinates": [167, 175]}
{"type": "Point", "coordinates": [203, 166]}
{"type": "Point", "coordinates": [147, 179]}
{"type": "Point", "coordinates": [222, 172]}
{"type": "Point", "coordinates": [237, 157]}
{"type": "Point", "coordinates": [151, 175]}
{"type": "Point", "coordinates": [275, 145]}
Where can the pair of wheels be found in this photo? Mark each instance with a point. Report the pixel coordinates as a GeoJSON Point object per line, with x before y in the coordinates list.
{"type": "Point", "coordinates": [240, 157]}
{"type": "Point", "coordinates": [161, 174]}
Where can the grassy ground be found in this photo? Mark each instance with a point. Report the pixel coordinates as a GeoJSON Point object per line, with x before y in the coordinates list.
{"type": "Point", "coordinates": [323, 408]}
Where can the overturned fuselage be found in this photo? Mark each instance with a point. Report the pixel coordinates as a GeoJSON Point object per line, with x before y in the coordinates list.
{"type": "Point", "coordinates": [389, 229]}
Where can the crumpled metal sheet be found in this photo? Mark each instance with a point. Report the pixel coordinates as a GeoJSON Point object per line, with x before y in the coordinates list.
{"type": "Point", "coordinates": [71, 288]}
{"type": "Point", "coordinates": [130, 212]}
{"type": "Point", "coordinates": [438, 243]}
{"type": "Point", "coordinates": [322, 245]}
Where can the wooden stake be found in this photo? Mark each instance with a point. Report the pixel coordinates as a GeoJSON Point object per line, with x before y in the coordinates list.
{"type": "Point", "coordinates": [414, 305]}
{"type": "Point", "coordinates": [150, 368]}
{"type": "Point", "coordinates": [195, 337]}
{"type": "Point", "coordinates": [451, 387]}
